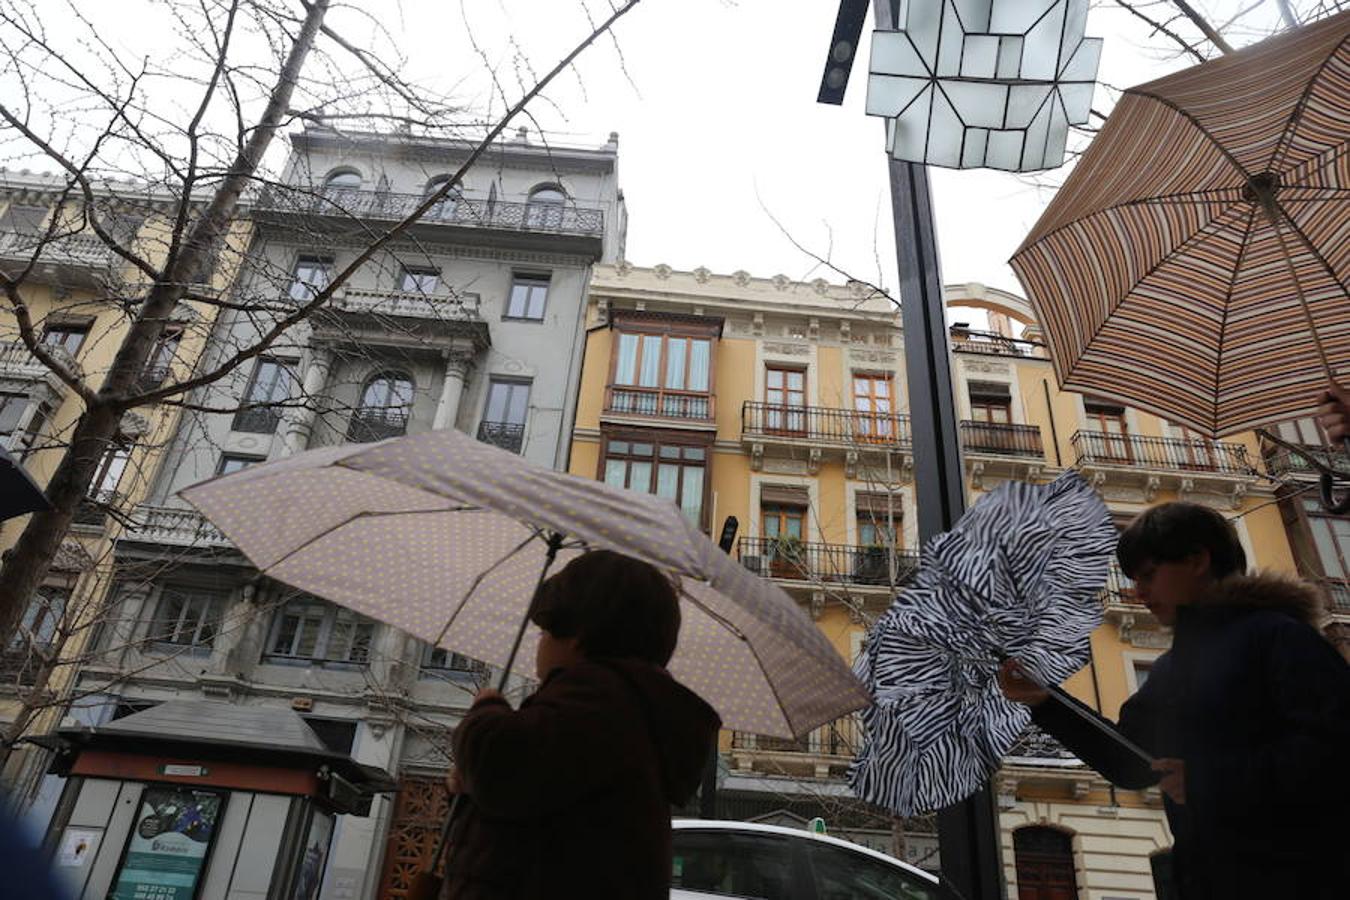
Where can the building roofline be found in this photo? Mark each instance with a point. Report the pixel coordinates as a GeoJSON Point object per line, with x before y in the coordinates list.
{"type": "Point", "coordinates": [518, 151]}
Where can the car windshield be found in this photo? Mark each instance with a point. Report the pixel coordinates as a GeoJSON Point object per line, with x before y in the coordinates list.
{"type": "Point", "coordinates": [841, 874]}
{"type": "Point", "coordinates": [733, 865]}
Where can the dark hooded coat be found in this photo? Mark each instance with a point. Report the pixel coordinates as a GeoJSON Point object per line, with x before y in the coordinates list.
{"type": "Point", "coordinates": [1256, 702]}
{"type": "Point", "coordinates": [571, 794]}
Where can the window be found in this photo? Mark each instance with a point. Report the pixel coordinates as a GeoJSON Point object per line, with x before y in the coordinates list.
{"type": "Point", "coordinates": [545, 208]}
{"type": "Point", "coordinates": [187, 616]}
{"type": "Point", "coordinates": [12, 408]}
{"type": "Point", "coordinates": [1109, 438]}
{"type": "Point", "coordinates": [41, 619]}
{"type": "Point", "coordinates": [1044, 861]}
{"type": "Point", "coordinates": [874, 412]}
{"type": "Point", "coordinates": [1197, 451]}
{"type": "Point", "coordinates": [156, 370]}
{"type": "Point", "coordinates": [386, 404]}
{"type": "Point", "coordinates": [312, 630]}
{"type": "Point", "coordinates": [420, 281]}
{"type": "Point", "coordinates": [312, 274]}
{"type": "Point", "coordinates": [847, 875]}
{"type": "Point", "coordinates": [1331, 540]}
{"type": "Point", "coordinates": [785, 399]}
{"type": "Point", "coordinates": [879, 518]}
{"type": "Point", "coordinates": [437, 662]}
{"type": "Point", "coordinates": [23, 443]}
{"type": "Point", "coordinates": [733, 865]}
{"type": "Point", "coordinates": [342, 180]}
{"type": "Point", "coordinates": [230, 463]}
{"type": "Point", "coordinates": [662, 375]}
{"type": "Point", "coordinates": [1141, 667]}
{"type": "Point", "coordinates": [109, 473]}
{"type": "Point", "coordinates": [68, 337]}
{"type": "Point", "coordinates": [529, 294]}
{"type": "Point", "coordinates": [674, 471]}
{"type": "Point", "coordinates": [270, 385]}
{"type": "Point", "coordinates": [338, 735]}
{"type": "Point", "coordinates": [445, 209]}
{"type": "Point", "coordinates": [990, 403]}
{"type": "Point", "coordinates": [503, 423]}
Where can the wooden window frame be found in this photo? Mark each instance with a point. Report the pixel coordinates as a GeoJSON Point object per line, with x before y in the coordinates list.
{"type": "Point", "coordinates": [659, 438]}
{"type": "Point", "coordinates": [865, 423]}
{"type": "Point", "coordinates": [666, 326]}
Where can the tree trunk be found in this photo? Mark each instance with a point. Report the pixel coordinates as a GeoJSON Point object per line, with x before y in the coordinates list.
{"type": "Point", "coordinates": [27, 563]}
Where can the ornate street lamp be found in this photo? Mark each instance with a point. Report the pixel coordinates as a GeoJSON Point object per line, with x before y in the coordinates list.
{"type": "Point", "coordinates": [961, 84]}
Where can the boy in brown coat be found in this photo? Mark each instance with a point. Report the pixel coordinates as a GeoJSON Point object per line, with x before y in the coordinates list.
{"type": "Point", "coordinates": [571, 794]}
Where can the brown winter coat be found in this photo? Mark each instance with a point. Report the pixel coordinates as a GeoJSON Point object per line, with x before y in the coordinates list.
{"type": "Point", "coordinates": [571, 794]}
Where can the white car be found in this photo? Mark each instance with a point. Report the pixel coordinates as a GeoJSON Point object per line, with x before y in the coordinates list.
{"type": "Point", "coordinates": [765, 862]}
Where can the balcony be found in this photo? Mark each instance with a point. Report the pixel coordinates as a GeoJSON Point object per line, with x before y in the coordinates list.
{"type": "Point", "coordinates": [81, 260]}
{"type": "Point", "coordinates": [826, 563]}
{"type": "Point", "coordinates": [671, 407]}
{"type": "Point", "coordinates": [152, 377]}
{"type": "Point", "coordinates": [469, 213]}
{"type": "Point", "coordinates": [1001, 450]}
{"type": "Point", "coordinates": [507, 435]}
{"type": "Point", "coordinates": [789, 430]}
{"type": "Point", "coordinates": [370, 425]}
{"type": "Point", "coordinates": [988, 343]}
{"type": "Point", "coordinates": [824, 752]}
{"type": "Point", "coordinates": [259, 420]}
{"type": "Point", "coordinates": [1283, 463]}
{"type": "Point", "coordinates": [175, 526]}
{"type": "Point", "coordinates": [1181, 464]}
{"type": "Point", "coordinates": [358, 315]}
{"type": "Point", "coordinates": [19, 364]}
{"type": "Point", "coordinates": [1338, 593]}
{"type": "Point", "coordinates": [93, 510]}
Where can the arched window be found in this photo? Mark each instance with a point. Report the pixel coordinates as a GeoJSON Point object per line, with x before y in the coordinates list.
{"type": "Point", "coordinates": [1044, 858]}
{"type": "Point", "coordinates": [445, 209]}
{"type": "Point", "coordinates": [386, 404]}
{"type": "Point", "coordinates": [342, 180]}
{"type": "Point", "coordinates": [545, 209]}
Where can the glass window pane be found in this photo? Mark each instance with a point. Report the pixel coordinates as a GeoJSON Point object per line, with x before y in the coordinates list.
{"type": "Point", "coordinates": [626, 370]}
{"type": "Point", "coordinates": [616, 472]}
{"type": "Point", "coordinates": [518, 404]}
{"type": "Point", "coordinates": [650, 376]}
{"type": "Point", "coordinates": [691, 494]}
{"type": "Point", "coordinates": [668, 481]}
{"type": "Point", "coordinates": [618, 446]}
{"type": "Point", "coordinates": [538, 294]}
{"type": "Point", "coordinates": [12, 407]}
{"type": "Point", "coordinates": [642, 449]}
{"type": "Point", "coordinates": [699, 364]}
{"type": "Point", "coordinates": [640, 476]}
{"type": "Point", "coordinates": [675, 349]}
{"type": "Point", "coordinates": [733, 865]}
{"type": "Point", "coordinates": [842, 874]}
{"type": "Point", "coordinates": [498, 392]}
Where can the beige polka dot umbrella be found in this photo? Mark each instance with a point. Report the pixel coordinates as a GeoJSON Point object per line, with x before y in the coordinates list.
{"type": "Point", "coordinates": [445, 537]}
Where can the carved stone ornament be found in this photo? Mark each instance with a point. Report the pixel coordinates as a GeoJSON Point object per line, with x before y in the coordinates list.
{"type": "Point", "coordinates": [662, 271]}
{"type": "Point", "coordinates": [133, 425]}
{"type": "Point", "coordinates": [781, 282]}
{"type": "Point", "coordinates": [821, 286]}
{"type": "Point", "coordinates": [817, 604]}
{"type": "Point", "coordinates": [702, 274]}
{"type": "Point", "coordinates": [757, 323]}
{"type": "Point", "coordinates": [787, 349]}
{"type": "Point", "coordinates": [756, 457]}
{"type": "Point", "coordinates": [813, 461]}
{"type": "Point", "coordinates": [741, 277]}
{"type": "Point", "coordinates": [623, 268]}
{"type": "Point", "coordinates": [873, 356]}
{"type": "Point", "coordinates": [988, 368]}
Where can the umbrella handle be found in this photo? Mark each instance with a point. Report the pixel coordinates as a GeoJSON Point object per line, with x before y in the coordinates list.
{"type": "Point", "coordinates": [1329, 502]}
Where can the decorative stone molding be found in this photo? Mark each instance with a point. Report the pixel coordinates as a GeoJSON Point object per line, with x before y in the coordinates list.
{"type": "Point", "coordinates": [781, 282]}
{"type": "Point", "coordinates": [820, 286]}
{"type": "Point", "coordinates": [813, 461]}
{"type": "Point", "coordinates": [986, 367]}
{"type": "Point", "coordinates": [741, 277]}
{"type": "Point", "coordinates": [813, 329]}
{"type": "Point", "coordinates": [817, 605]}
{"type": "Point", "coordinates": [851, 464]}
{"type": "Point", "coordinates": [845, 331]}
{"type": "Point", "coordinates": [784, 466]}
{"type": "Point", "coordinates": [756, 457]}
{"type": "Point", "coordinates": [1153, 484]}
{"type": "Point", "coordinates": [623, 268]}
{"type": "Point", "coordinates": [872, 356]}
{"type": "Point", "coordinates": [133, 425]}
{"type": "Point", "coordinates": [784, 349]}
{"type": "Point", "coordinates": [702, 274]}
{"type": "Point", "coordinates": [757, 325]}
{"type": "Point", "coordinates": [661, 271]}
{"type": "Point", "coordinates": [977, 475]}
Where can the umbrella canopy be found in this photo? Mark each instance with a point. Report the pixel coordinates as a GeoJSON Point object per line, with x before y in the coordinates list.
{"type": "Point", "coordinates": [19, 493]}
{"type": "Point", "coordinates": [1018, 576]}
{"type": "Point", "coordinates": [438, 534]}
{"type": "Point", "coordinates": [1195, 262]}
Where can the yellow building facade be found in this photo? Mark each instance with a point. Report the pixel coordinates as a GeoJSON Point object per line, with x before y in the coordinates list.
{"type": "Point", "coordinates": [77, 292]}
{"type": "Point", "coordinates": [783, 404]}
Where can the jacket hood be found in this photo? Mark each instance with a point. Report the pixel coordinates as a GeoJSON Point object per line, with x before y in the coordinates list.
{"type": "Point", "coordinates": [683, 725]}
{"type": "Point", "coordinates": [1266, 591]}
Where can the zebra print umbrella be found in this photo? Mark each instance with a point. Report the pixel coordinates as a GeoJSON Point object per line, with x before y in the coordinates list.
{"type": "Point", "coordinates": [1018, 576]}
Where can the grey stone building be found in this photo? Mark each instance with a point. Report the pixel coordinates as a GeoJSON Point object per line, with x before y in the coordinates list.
{"type": "Point", "coordinates": [472, 320]}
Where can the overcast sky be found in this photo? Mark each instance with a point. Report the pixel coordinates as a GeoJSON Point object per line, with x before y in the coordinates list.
{"type": "Point", "coordinates": [719, 128]}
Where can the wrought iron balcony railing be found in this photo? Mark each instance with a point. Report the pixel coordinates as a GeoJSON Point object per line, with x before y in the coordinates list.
{"type": "Point", "coordinates": [626, 400]}
{"type": "Point", "coordinates": [989, 343]}
{"type": "Point", "coordinates": [83, 250]}
{"type": "Point", "coordinates": [1001, 439]}
{"type": "Point", "coordinates": [17, 360]}
{"type": "Point", "coordinates": [152, 377]}
{"type": "Point", "coordinates": [1119, 590]}
{"type": "Point", "coordinates": [259, 420]}
{"type": "Point", "coordinates": [93, 509]}
{"type": "Point", "coordinates": [841, 738]}
{"type": "Point", "coordinates": [470, 211]}
{"type": "Point", "coordinates": [507, 435]}
{"type": "Point", "coordinates": [1173, 454]}
{"type": "Point", "coordinates": [821, 424]}
{"type": "Point", "coordinates": [170, 525]}
{"type": "Point", "coordinates": [370, 425]}
{"type": "Point", "coordinates": [1282, 463]}
{"type": "Point", "coordinates": [409, 304]}
{"type": "Point", "coordinates": [1339, 593]}
{"type": "Point", "coordinates": [827, 563]}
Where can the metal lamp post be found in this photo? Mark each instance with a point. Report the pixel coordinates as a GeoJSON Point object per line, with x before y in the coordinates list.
{"type": "Point", "coordinates": [962, 84]}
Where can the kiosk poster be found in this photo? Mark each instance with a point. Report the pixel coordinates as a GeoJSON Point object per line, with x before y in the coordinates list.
{"type": "Point", "coordinates": [167, 850]}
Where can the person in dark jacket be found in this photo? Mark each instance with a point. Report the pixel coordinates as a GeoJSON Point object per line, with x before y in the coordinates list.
{"type": "Point", "coordinates": [1247, 716]}
{"type": "Point", "coordinates": [571, 794]}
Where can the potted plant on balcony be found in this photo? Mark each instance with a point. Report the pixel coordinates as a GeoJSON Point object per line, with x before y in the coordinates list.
{"type": "Point", "coordinates": [789, 557]}
{"type": "Point", "coordinates": [871, 565]}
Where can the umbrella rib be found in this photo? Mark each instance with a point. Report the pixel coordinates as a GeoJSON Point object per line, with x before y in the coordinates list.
{"type": "Point", "coordinates": [1295, 115]}
{"type": "Point", "coordinates": [480, 577]}
{"type": "Point", "coordinates": [1227, 304]}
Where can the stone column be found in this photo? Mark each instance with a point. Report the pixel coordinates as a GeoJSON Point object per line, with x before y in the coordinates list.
{"type": "Point", "coordinates": [458, 363]}
{"type": "Point", "coordinates": [300, 423]}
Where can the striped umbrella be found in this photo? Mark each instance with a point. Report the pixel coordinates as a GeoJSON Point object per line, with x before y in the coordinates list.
{"type": "Point", "coordinates": [1195, 262]}
{"type": "Point", "coordinates": [1017, 577]}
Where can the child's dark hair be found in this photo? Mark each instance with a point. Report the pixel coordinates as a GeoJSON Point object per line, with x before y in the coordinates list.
{"type": "Point", "coordinates": [619, 607]}
{"type": "Point", "coordinates": [1175, 531]}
